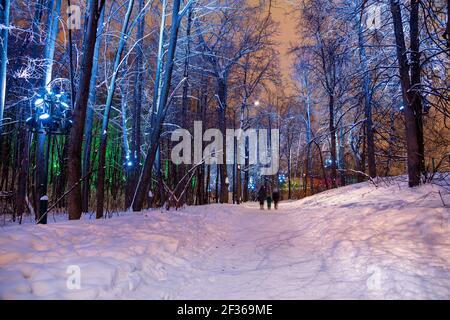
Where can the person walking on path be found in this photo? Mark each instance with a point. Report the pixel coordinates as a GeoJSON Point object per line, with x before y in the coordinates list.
{"type": "Point", "coordinates": [276, 197]}
{"type": "Point", "coordinates": [269, 201]}
{"type": "Point", "coordinates": [262, 196]}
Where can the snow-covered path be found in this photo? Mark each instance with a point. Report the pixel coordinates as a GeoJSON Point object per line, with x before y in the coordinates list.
{"type": "Point", "coordinates": [355, 242]}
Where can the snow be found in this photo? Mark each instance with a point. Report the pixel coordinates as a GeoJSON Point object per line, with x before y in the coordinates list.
{"type": "Point", "coordinates": [356, 242]}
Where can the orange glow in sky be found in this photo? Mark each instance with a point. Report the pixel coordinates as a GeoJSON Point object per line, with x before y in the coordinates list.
{"type": "Point", "coordinates": [283, 13]}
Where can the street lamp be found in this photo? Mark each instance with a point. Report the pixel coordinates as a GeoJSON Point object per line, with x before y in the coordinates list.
{"type": "Point", "coordinates": [50, 114]}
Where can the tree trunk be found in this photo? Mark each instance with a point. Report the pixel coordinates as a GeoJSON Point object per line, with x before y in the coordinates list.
{"type": "Point", "coordinates": [4, 20]}
{"type": "Point", "coordinates": [128, 159]}
{"type": "Point", "coordinates": [79, 116]}
{"type": "Point", "coordinates": [208, 181]}
{"type": "Point", "coordinates": [416, 98]}
{"type": "Point", "coordinates": [184, 103]}
{"type": "Point", "coordinates": [51, 42]}
{"type": "Point", "coordinates": [109, 100]}
{"type": "Point", "coordinates": [322, 166]}
{"type": "Point", "coordinates": [145, 178]}
{"type": "Point", "coordinates": [246, 172]}
{"type": "Point", "coordinates": [201, 108]}
{"type": "Point", "coordinates": [222, 96]}
{"type": "Point", "coordinates": [137, 109]}
{"type": "Point", "coordinates": [413, 151]}
{"type": "Point", "coordinates": [22, 178]}
{"type": "Point", "coordinates": [341, 157]}
{"type": "Point", "coordinates": [41, 153]}
{"type": "Point", "coordinates": [289, 173]}
{"type": "Point", "coordinates": [90, 116]}
{"type": "Point", "coordinates": [367, 102]}
{"type": "Point", "coordinates": [309, 159]}
{"type": "Point", "coordinates": [333, 151]}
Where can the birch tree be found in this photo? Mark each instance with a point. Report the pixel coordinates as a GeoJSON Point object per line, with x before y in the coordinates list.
{"type": "Point", "coordinates": [4, 23]}
{"type": "Point", "coordinates": [106, 112]}
{"type": "Point", "coordinates": [160, 109]}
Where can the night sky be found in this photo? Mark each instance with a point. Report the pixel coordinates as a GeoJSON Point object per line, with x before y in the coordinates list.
{"type": "Point", "coordinates": [284, 14]}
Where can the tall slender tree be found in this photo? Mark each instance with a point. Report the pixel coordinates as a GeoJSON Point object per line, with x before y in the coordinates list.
{"type": "Point", "coordinates": [160, 108]}
{"type": "Point", "coordinates": [409, 82]}
{"type": "Point", "coordinates": [90, 116]}
{"type": "Point", "coordinates": [106, 112]}
{"type": "Point", "coordinates": [367, 94]}
{"type": "Point", "coordinates": [42, 150]}
{"type": "Point", "coordinates": [74, 200]}
{"type": "Point", "coordinates": [135, 157]}
{"type": "Point", "coordinates": [4, 34]}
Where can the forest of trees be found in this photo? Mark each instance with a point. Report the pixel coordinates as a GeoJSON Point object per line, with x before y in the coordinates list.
{"type": "Point", "coordinates": [370, 98]}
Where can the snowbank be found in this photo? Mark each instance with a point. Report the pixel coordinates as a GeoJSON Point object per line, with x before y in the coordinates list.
{"type": "Point", "coordinates": [357, 242]}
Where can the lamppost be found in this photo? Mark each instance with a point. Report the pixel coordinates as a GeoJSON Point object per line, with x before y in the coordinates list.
{"type": "Point", "coordinates": [50, 114]}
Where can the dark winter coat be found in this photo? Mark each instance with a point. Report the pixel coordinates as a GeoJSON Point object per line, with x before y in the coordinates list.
{"type": "Point", "coordinates": [276, 195]}
{"type": "Point", "coordinates": [262, 194]}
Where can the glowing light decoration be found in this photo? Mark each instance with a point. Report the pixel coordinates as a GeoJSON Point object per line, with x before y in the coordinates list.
{"type": "Point", "coordinates": [282, 178]}
{"type": "Point", "coordinates": [65, 105]}
{"type": "Point", "coordinates": [51, 112]}
{"type": "Point", "coordinates": [44, 116]}
{"type": "Point", "coordinates": [39, 102]}
{"type": "Point", "coordinates": [251, 184]}
{"type": "Point", "coordinates": [129, 163]}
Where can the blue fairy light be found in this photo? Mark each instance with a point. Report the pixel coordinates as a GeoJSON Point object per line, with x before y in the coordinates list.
{"type": "Point", "coordinates": [51, 112]}
{"type": "Point", "coordinates": [251, 184]}
{"type": "Point", "coordinates": [44, 116]}
{"type": "Point", "coordinates": [282, 178]}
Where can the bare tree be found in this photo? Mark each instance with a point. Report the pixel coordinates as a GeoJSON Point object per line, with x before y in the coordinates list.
{"type": "Point", "coordinates": [409, 80]}
{"type": "Point", "coordinates": [4, 22]}
{"type": "Point", "coordinates": [160, 109]}
{"type": "Point", "coordinates": [76, 133]}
